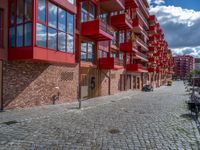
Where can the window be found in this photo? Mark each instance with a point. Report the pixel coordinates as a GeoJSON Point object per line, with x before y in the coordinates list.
{"type": "Point", "coordinates": [41, 35]}
{"type": "Point", "coordinates": [87, 52]}
{"type": "Point", "coordinates": [121, 56]}
{"type": "Point", "coordinates": [20, 23]}
{"type": "Point", "coordinates": [114, 40]}
{"type": "Point", "coordinates": [121, 37]}
{"type": "Point", "coordinates": [52, 15]}
{"type": "Point", "coordinates": [58, 31]}
{"type": "Point", "coordinates": [113, 54]}
{"type": "Point", "coordinates": [88, 11]}
{"type": "Point", "coordinates": [102, 54]}
{"type": "Point", "coordinates": [42, 10]}
{"type": "Point", "coordinates": [1, 28]}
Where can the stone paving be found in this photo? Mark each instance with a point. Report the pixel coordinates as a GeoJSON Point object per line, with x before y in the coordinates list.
{"type": "Point", "coordinates": [132, 120]}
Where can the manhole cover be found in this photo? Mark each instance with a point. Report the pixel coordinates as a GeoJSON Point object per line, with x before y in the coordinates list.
{"type": "Point", "coordinates": [114, 131]}
{"type": "Point", "coordinates": [10, 122]}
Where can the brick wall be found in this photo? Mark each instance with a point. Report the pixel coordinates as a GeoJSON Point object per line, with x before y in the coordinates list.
{"type": "Point", "coordinates": [115, 80]}
{"type": "Point", "coordinates": [28, 84]}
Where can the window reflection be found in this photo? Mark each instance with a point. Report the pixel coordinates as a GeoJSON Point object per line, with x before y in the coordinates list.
{"type": "Point", "coordinates": [52, 38]}
{"type": "Point", "coordinates": [19, 36]}
{"type": "Point", "coordinates": [27, 34]}
{"type": "Point", "coordinates": [52, 15]}
{"type": "Point", "coordinates": [42, 10]}
{"type": "Point", "coordinates": [20, 11]}
{"type": "Point", "coordinates": [41, 35]}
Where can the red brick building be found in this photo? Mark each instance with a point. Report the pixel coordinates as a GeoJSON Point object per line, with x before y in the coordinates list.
{"type": "Point", "coordinates": [78, 49]}
{"type": "Point", "coordinates": [183, 65]}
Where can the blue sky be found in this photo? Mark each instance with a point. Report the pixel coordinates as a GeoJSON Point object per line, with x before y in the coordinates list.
{"type": "Point", "coordinates": [187, 4]}
{"type": "Point", "coordinates": [180, 20]}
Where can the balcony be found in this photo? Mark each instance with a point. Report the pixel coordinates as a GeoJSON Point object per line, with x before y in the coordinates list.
{"type": "Point", "coordinates": [110, 63]}
{"type": "Point", "coordinates": [152, 20]}
{"type": "Point", "coordinates": [144, 7]}
{"type": "Point", "coordinates": [141, 56]}
{"type": "Point", "coordinates": [152, 70]}
{"type": "Point", "coordinates": [97, 30]}
{"type": "Point", "coordinates": [121, 21]}
{"type": "Point", "coordinates": [152, 60]}
{"type": "Point", "coordinates": [137, 25]}
{"type": "Point", "coordinates": [141, 43]}
{"type": "Point", "coordinates": [152, 29]}
{"type": "Point", "coordinates": [112, 5]}
{"type": "Point", "coordinates": [131, 3]}
{"type": "Point", "coordinates": [136, 68]}
{"type": "Point", "coordinates": [127, 47]}
{"type": "Point", "coordinates": [152, 49]}
{"type": "Point", "coordinates": [139, 14]}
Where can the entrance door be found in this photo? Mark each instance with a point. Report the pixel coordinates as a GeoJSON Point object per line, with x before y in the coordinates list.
{"type": "Point", "coordinates": [89, 82]}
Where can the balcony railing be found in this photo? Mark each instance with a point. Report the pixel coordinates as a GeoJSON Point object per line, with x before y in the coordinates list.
{"type": "Point", "coordinates": [139, 14]}
{"type": "Point", "coordinates": [136, 68]}
{"type": "Point", "coordinates": [97, 29]}
{"type": "Point", "coordinates": [105, 27]}
{"type": "Point", "coordinates": [142, 44]}
{"type": "Point", "coordinates": [121, 21]}
{"type": "Point", "coordinates": [112, 5]}
{"type": "Point", "coordinates": [118, 62]}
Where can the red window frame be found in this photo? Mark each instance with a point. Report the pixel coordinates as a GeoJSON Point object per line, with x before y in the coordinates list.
{"type": "Point", "coordinates": [88, 53]}
{"type": "Point", "coordinates": [57, 29]}
{"type": "Point", "coordinates": [15, 24]}
{"type": "Point", "coordinates": [1, 28]}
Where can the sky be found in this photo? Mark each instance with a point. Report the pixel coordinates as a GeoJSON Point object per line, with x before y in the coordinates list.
{"type": "Point", "coordinates": [180, 21]}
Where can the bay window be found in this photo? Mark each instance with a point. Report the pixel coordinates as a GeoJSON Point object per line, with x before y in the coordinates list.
{"type": "Point", "coordinates": [20, 23]}
{"type": "Point", "coordinates": [58, 30]}
{"type": "Point", "coordinates": [42, 10]}
{"type": "Point", "coordinates": [87, 52]}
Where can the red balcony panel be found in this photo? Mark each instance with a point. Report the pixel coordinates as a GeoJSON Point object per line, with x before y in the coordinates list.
{"type": "Point", "coordinates": [97, 30]}
{"type": "Point", "coordinates": [152, 60]}
{"type": "Point", "coordinates": [106, 63]}
{"type": "Point", "coordinates": [152, 70]}
{"type": "Point", "coordinates": [137, 25]}
{"type": "Point", "coordinates": [136, 68]}
{"type": "Point", "coordinates": [110, 63]}
{"type": "Point", "coordinates": [41, 54]}
{"type": "Point", "coordinates": [127, 47]}
{"type": "Point", "coordinates": [112, 5]}
{"type": "Point", "coordinates": [121, 21]}
{"type": "Point", "coordinates": [131, 3]}
{"type": "Point", "coordinates": [152, 49]}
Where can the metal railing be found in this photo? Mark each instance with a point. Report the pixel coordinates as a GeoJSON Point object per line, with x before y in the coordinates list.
{"type": "Point", "coordinates": [118, 61]}
{"type": "Point", "coordinates": [105, 27]}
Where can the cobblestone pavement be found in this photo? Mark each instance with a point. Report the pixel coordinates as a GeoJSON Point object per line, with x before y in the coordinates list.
{"type": "Point", "coordinates": [136, 120]}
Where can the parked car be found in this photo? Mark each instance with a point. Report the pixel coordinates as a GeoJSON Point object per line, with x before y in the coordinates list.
{"type": "Point", "coordinates": [147, 88]}
{"type": "Point", "coordinates": [169, 83]}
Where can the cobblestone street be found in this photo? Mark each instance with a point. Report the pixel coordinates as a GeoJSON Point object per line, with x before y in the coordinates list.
{"type": "Point", "coordinates": [129, 120]}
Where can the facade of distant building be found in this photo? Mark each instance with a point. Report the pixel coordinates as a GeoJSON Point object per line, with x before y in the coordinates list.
{"type": "Point", "coordinates": [78, 49]}
{"type": "Point", "coordinates": [183, 65]}
{"type": "Point", "coordinates": [197, 63]}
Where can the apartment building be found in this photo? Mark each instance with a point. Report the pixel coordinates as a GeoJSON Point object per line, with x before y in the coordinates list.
{"type": "Point", "coordinates": [183, 66]}
{"type": "Point", "coordinates": [56, 51]}
{"type": "Point", "coordinates": [197, 63]}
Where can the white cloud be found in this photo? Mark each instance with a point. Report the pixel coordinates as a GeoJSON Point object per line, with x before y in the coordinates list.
{"type": "Point", "coordinates": [175, 14]}
{"type": "Point", "coordinates": [159, 2]}
{"type": "Point", "coordinates": [181, 28]}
